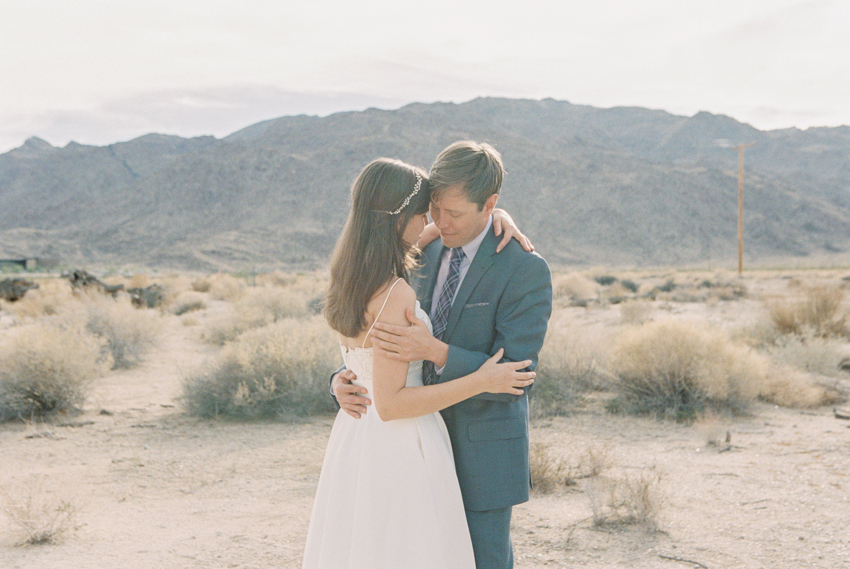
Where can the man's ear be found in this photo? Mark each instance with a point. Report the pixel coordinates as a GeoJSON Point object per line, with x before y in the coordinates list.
{"type": "Point", "coordinates": [490, 204]}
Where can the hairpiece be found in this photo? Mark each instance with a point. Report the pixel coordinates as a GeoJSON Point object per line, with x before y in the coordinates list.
{"type": "Point", "coordinates": [407, 199]}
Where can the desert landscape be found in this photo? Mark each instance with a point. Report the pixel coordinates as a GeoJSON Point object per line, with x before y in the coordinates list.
{"type": "Point", "coordinates": [196, 434]}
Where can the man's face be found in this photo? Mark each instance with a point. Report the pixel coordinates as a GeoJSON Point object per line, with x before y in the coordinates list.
{"type": "Point", "coordinates": [459, 219]}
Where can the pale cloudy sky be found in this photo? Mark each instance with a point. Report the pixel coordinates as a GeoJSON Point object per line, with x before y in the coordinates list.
{"type": "Point", "coordinates": [100, 71]}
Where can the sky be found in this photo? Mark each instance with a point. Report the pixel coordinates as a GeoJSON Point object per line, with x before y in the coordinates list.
{"type": "Point", "coordinates": [102, 71]}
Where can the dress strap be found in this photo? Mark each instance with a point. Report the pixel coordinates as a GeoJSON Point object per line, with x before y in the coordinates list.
{"type": "Point", "coordinates": [380, 311]}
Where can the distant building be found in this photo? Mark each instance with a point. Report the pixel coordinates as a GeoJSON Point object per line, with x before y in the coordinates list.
{"type": "Point", "coordinates": [33, 263]}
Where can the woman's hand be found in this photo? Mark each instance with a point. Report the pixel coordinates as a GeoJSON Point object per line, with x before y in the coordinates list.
{"type": "Point", "coordinates": [505, 377]}
{"type": "Point", "coordinates": [430, 233]}
{"type": "Point", "coordinates": [503, 221]}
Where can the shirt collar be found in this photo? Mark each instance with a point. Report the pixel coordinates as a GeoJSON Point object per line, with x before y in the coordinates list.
{"type": "Point", "coordinates": [471, 248]}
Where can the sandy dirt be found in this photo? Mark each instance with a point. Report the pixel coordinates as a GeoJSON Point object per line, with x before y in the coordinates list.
{"type": "Point", "coordinates": [152, 487]}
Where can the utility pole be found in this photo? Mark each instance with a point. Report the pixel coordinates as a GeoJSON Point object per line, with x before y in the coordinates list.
{"type": "Point", "coordinates": [740, 148]}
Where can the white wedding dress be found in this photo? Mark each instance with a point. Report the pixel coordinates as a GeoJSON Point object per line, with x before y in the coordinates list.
{"type": "Point", "coordinates": [388, 495]}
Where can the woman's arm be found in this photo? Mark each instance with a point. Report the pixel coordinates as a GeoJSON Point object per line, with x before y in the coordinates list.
{"type": "Point", "coordinates": [394, 400]}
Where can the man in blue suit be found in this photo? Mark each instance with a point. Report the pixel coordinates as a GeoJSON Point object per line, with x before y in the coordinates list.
{"type": "Point", "coordinates": [478, 301]}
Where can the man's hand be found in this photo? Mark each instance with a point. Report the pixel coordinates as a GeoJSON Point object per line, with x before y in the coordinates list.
{"type": "Point", "coordinates": [409, 343]}
{"type": "Point", "coordinates": [503, 221]}
{"type": "Point", "coordinates": [346, 394]}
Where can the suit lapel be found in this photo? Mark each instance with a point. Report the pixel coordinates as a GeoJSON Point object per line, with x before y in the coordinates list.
{"type": "Point", "coordinates": [482, 261]}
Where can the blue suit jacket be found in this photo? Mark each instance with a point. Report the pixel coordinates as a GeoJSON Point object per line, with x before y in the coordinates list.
{"type": "Point", "coordinates": [504, 301]}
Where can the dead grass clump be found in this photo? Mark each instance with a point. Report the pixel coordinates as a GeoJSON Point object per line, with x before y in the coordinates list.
{"type": "Point", "coordinates": [567, 366]}
{"type": "Point", "coordinates": [807, 351]}
{"type": "Point", "coordinates": [225, 287]}
{"type": "Point", "coordinates": [173, 288]}
{"type": "Point", "coordinates": [627, 500]}
{"type": "Point", "coordinates": [129, 332]}
{"type": "Point", "coordinates": [635, 311]}
{"type": "Point", "coordinates": [188, 302]}
{"type": "Point", "coordinates": [202, 285]}
{"type": "Point", "coordinates": [575, 286]}
{"type": "Point", "coordinates": [258, 307]}
{"type": "Point", "coordinates": [550, 472]}
{"type": "Point", "coordinates": [679, 369]}
{"type": "Point", "coordinates": [138, 280]}
{"type": "Point", "coordinates": [819, 310]}
{"type": "Point", "coordinates": [47, 369]}
{"type": "Point", "coordinates": [48, 299]}
{"type": "Point", "coordinates": [279, 371]}
{"type": "Point", "coordinates": [792, 388]}
{"type": "Point", "coordinates": [277, 278]}
{"type": "Point", "coordinates": [39, 518]}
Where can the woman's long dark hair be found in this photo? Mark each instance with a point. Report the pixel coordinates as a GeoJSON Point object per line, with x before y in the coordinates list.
{"type": "Point", "coordinates": [370, 249]}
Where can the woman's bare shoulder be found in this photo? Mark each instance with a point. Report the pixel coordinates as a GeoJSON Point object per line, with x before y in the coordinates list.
{"type": "Point", "coordinates": [401, 297]}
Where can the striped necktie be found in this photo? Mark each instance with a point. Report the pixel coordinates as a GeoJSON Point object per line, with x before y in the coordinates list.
{"type": "Point", "coordinates": [444, 304]}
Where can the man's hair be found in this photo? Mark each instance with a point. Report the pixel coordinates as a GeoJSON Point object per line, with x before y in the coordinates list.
{"type": "Point", "coordinates": [477, 167]}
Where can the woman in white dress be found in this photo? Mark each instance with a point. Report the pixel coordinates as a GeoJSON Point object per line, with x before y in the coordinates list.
{"type": "Point", "coordinates": [388, 496]}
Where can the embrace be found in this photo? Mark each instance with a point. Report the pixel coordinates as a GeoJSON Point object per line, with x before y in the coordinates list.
{"type": "Point", "coordinates": [440, 327]}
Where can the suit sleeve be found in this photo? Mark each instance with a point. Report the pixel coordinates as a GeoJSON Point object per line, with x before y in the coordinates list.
{"type": "Point", "coordinates": [521, 320]}
{"type": "Point", "coordinates": [330, 382]}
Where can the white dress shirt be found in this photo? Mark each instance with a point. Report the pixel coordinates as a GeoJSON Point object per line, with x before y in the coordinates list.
{"type": "Point", "coordinates": [469, 251]}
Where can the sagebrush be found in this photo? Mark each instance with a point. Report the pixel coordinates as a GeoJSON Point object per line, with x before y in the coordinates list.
{"type": "Point", "coordinates": [567, 366]}
{"type": "Point", "coordinates": [819, 310]}
{"type": "Point", "coordinates": [279, 371]}
{"type": "Point", "coordinates": [627, 500]}
{"type": "Point", "coordinates": [47, 368]}
{"type": "Point", "coordinates": [258, 307]}
{"type": "Point", "coordinates": [37, 516]}
{"type": "Point", "coordinates": [679, 369]}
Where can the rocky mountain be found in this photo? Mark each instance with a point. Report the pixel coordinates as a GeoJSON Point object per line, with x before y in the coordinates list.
{"type": "Point", "coordinates": [591, 186]}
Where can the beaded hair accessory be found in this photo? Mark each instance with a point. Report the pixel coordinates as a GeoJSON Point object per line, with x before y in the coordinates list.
{"type": "Point", "coordinates": [407, 199]}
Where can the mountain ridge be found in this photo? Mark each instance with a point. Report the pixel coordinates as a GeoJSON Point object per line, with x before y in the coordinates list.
{"type": "Point", "coordinates": [625, 186]}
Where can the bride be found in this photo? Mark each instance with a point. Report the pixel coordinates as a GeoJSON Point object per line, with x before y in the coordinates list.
{"type": "Point", "coordinates": [388, 496]}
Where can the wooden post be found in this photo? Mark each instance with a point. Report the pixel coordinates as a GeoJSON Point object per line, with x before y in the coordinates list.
{"type": "Point", "coordinates": [740, 148]}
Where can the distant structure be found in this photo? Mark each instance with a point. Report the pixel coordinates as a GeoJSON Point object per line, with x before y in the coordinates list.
{"type": "Point", "coordinates": [32, 263]}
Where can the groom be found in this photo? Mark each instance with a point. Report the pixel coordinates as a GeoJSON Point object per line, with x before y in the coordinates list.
{"type": "Point", "coordinates": [478, 301]}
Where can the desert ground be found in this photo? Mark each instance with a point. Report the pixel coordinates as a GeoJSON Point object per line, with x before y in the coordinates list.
{"type": "Point", "coordinates": [133, 480]}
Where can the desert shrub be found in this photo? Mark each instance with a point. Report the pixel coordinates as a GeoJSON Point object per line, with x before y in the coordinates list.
{"type": "Point", "coordinates": [47, 369]}
{"type": "Point", "coordinates": [626, 500]}
{"type": "Point", "coordinates": [605, 280]}
{"type": "Point", "coordinates": [550, 472]}
{"type": "Point", "coordinates": [566, 366]}
{"type": "Point", "coordinates": [790, 387]}
{"type": "Point", "coordinates": [277, 278]}
{"type": "Point", "coordinates": [635, 311]}
{"type": "Point", "coordinates": [48, 299]}
{"type": "Point", "coordinates": [278, 371]}
{"type": "Point", "coordinates": [188, 302]}
{"type": "Point", "coordinates": [129, 332]}
{"type": "Point", "coordinates": [629, 285]}
{"type": "Point", "coordinates": [225, 287]}
{"type": "Point", "coordinates": [138, 280]}
{"type": "Point", "coordinates": [258, 307]}
{"type": "Point", "coordinates": [807, 351]}
{"type": "Point", "coordinates": [819, 310]}
{"type": "Point", "coordinates": [174, 287]}
{"type": "Point", "coordinates": [574, 286]}
{"type": "Point", "coordinates": [679, 369]}
{"type": "Point", "coordinates": [202, 285]}
{"type": "Point", "coordinates": [38, 516]}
